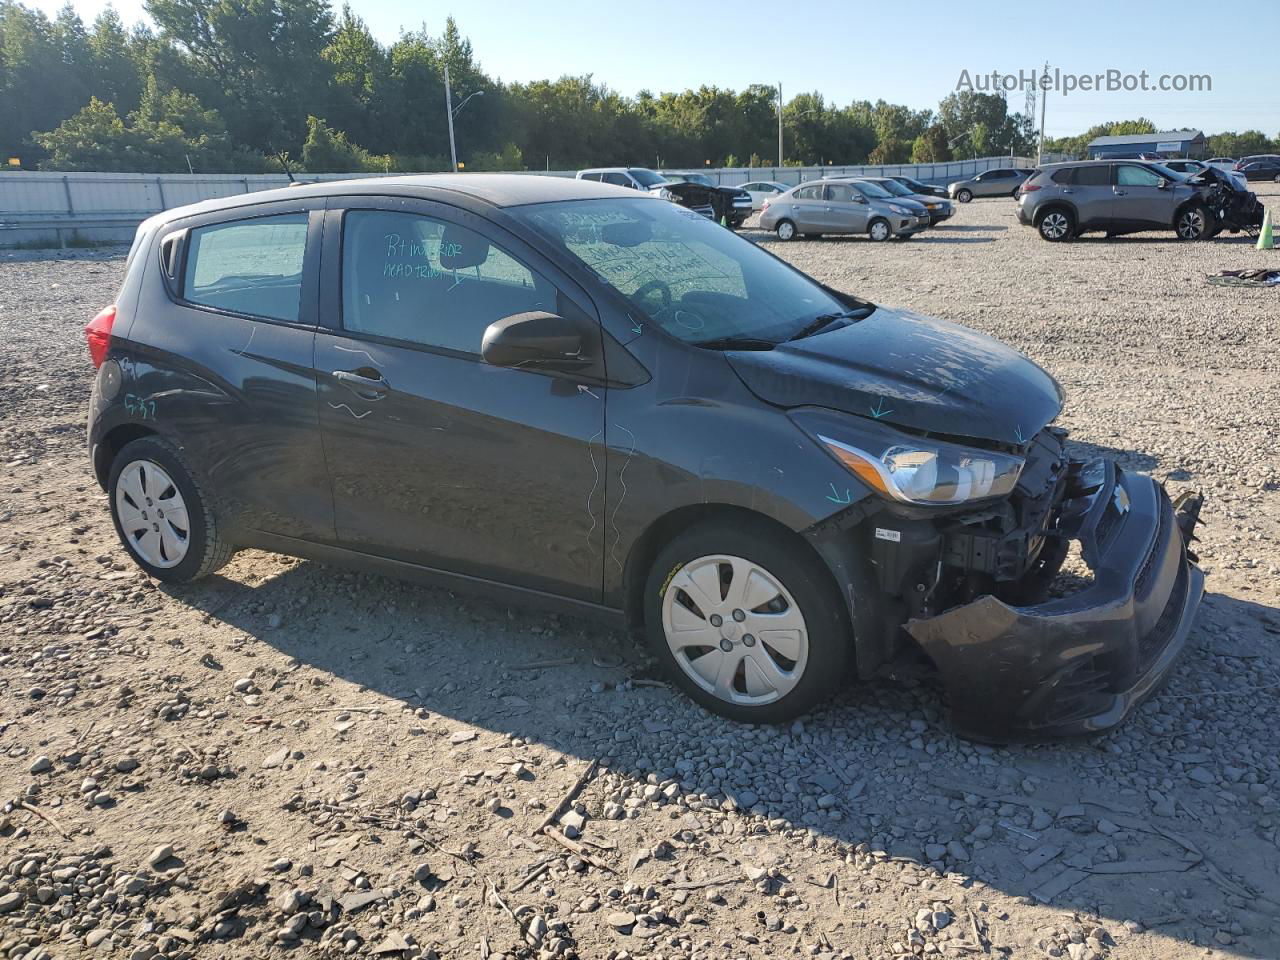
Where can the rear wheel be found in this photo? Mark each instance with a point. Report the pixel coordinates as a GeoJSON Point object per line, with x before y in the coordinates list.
{"type": "Point", "coordinates": [746, 621]}
{"type": "Point", "coordinates": [786, 230]}
{"type": "Point", "coordinates": [964, 196]}
{"type": "Point", "coordinates": [1192, 223]}
{"type": "Point", "coordinates": [878, 230]}
{"type": "Point", "coordinates": [1055, 225]}
{"type": "Point", "coordinates": [161, 515]}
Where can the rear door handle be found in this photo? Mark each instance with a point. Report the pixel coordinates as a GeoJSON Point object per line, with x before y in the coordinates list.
{"type": "Point", "coordinates": [1121, 193]}
{"type": "Point", "coordinates": [1067, 190]}
{"type": "Point", "coordinates": [370, 388]}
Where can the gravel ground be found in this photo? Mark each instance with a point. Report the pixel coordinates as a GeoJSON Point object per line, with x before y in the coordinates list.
{"type": "Point", "coordinates": [293, 759]}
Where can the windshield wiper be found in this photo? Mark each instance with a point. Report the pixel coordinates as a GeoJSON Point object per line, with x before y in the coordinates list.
{"type": "Point", "coordinates": [823, 320]}
{"type": "Point", "coordinates": [735, 343]}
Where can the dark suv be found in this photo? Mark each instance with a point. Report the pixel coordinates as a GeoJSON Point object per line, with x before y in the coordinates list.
{"type": "Point", "coordinates": [560, 391]}
{"type": "Point", "coordinates": [1064, 200]}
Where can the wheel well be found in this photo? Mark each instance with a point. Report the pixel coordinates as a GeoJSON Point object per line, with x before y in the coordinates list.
{"type": "Point", "coordinates": [1057, 205]}
{"type": "Point", "coordinates": [111, 444]}
{"type": "Point", "coordinates": [1189, 202]}
{"type": "Point", "coordinates": [663, 530]}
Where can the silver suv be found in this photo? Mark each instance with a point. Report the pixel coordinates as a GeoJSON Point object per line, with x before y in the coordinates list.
{"type": "Point", "coordinates": [1002, 182]}
{"type": "Point", "coordinates": [1063, 200]}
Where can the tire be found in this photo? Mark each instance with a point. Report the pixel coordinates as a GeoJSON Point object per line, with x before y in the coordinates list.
{"type": "Point", "coordinates": [879, 230]}
{"type": "Point", "coordinates": [1192, 223]}
{"type": "Point", "coordinates": [1056, 225]}
{"type": "Point", "coordinates": [786, 230]}
{"type": "Point", "coordinates": [964, 196]}
{"type": "Point", "coordinates": [758, 681]}
{"type": "Point", "coordinates": [145, 476]}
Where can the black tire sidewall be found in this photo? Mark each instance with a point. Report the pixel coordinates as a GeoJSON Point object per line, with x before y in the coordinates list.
{"type": "Point", "coordinates": [158, 451]}
{"type": "Point", "coordinates": [810, 584]}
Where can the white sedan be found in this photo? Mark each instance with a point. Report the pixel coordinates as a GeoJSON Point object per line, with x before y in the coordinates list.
{"type": "Point", "coordinates": [762, 190]}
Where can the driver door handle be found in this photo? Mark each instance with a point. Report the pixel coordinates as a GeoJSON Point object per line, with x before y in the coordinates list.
{"type": "Point", "coordinates": [1121, 193]}
{"type": "Point", "coordinates": [370, 388]}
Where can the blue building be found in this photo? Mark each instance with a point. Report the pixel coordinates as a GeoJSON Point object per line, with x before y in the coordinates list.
{"type": "Point", "coordinates": [1170, 143]}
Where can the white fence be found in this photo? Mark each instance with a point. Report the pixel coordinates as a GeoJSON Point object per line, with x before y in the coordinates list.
{"type": "Point", "coordinates": [61, 208]}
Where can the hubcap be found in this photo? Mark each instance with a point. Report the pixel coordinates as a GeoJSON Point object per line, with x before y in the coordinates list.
{"type": "Point", "coordinates": [1191, 224]}
{"type": "Point", "coordinates": [879, 231]}
{"type": "Point", "coordinates": [152, 514]}
{"type": "Point", "coordinates": [1054, 225]}
{"type": "Point", "coordinates": [735, 630]}
{"type": "Point", "coordinates": [785, 231]}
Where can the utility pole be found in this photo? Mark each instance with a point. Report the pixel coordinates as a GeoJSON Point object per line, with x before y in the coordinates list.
{"type": "Point", "coordinates": [1044, 95]}
{"type": "Point", "coordinates": [448, 106]}
{"type": "Point", "coordinates": [779, 123]}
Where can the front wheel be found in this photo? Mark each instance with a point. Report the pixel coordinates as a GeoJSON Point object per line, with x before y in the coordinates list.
{"type": "Point", "coordinates": [878, 230]}
{"type": "Point", "coordinates": [786, 230]}
{"type": "Point", "coordinates": [161, 514]}
{"type": "Point", "coordinates": [964, 196]}
{"type": "Point", "coordinates": [747, 622]}
{"type": "Point", "coordinates": [1192, 223]}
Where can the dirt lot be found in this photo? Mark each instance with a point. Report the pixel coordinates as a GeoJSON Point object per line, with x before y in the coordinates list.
{"type": "Point", "coordinates": [289, 759]}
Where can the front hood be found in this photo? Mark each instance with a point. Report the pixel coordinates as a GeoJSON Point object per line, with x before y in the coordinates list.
{"type": "Point", "coordinates": [911, 371]}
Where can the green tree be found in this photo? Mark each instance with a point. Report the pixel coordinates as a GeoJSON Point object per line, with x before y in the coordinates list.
{"type": "Point", "coordinates": [931, 146]}
{"type": "Point", "coordinates": [328, 151]}
{"type": "Point", "coordinates": [263, 58]}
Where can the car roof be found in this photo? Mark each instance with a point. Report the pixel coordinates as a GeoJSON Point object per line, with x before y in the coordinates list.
{"type": "Point", "coordinates": [486, 189]}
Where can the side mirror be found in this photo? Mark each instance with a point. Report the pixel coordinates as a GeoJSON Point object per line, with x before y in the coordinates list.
{"type": "Point", "coordinates": [859, 198]}
{"type": "Point", "coordinates": [537, 340]}
{"type": "Point", "coordinates": [1162, 184]}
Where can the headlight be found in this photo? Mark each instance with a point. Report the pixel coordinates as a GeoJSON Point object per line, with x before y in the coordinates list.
{"type": "Point", "coordinates": [666, 194]}
{"type": "Point", "coordinates": [912, 469]}
{"type": "Point", "coordinates": [901, 211]}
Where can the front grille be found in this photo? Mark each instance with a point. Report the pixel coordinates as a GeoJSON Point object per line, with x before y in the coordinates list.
{"type": "Point", "coordinates": [1158, 542]}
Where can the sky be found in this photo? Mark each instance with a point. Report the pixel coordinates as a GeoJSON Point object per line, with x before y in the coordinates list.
{"type": "Point", "coordinates": [858, 51]}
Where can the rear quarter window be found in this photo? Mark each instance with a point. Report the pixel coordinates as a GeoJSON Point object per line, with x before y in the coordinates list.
{"type": "Point", "coordinates": [252, 267]}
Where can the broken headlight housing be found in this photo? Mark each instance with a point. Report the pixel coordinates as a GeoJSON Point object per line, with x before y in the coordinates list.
{"type": "Point", "coordinates": [912, 469]}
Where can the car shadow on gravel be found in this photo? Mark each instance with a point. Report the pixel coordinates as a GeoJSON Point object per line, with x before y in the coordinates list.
{"type": "Point", "coordinates": [1155, 822]}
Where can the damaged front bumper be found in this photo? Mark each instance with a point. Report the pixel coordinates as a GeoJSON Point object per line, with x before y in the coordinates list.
{"type": "Point", "coordinates": [1081, 663]}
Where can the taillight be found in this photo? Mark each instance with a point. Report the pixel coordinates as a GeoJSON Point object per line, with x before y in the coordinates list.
{"type": "Point", "coordinates": [1030, 187]}
{"type": "Point", "coordinates": [98, 333]}
{"type": "Point", "coordinates": [765, 206]}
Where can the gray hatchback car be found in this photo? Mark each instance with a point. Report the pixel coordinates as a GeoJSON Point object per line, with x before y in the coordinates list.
{"type": "Point", "coordinates": [1063, 200]}
{"type": "Point", "coordinates": [842, 206]}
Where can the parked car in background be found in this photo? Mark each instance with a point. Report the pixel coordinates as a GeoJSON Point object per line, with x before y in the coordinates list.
{"type": "Point", "coordinates": [761, 190]}
{"type": "Point", "coordinates": [697, 191]}
{"type": "Point", "coordinates": [637, 178]}
{"type": "Point", "coordinates": [924, 189]}
{"type": "Point", "coordinates": [1000, 182]}
{"type": "Point", "coordinates": [1260, 168]}
{"type": "Point", "coordinates": [1192, 167]}
{"type": "Point", "coordinates": [939, 209]}
{"type": "Point", "coordinates": [842, 206]}
{"type": "Point", "coordinates": [1223, 163]}
{"type": "Point", "coordinates": [1064, 200]}
{"type": "Point", "coordinates": [457, 379]}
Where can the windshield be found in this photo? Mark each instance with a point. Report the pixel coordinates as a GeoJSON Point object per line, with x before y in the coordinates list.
{"type": "Point", "coordinates": [682, 272]}
{"type": "Point", "coordinates": [646, 178]}
{"type": "Point", "coordinates": [874, 190]}
{"type": "Point", "coordinates": [894, 187]}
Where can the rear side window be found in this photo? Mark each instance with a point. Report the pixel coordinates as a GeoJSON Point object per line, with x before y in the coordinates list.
{"type": "Point", "coordinates": [1095, 176]}
{"type": "Point", "coordinates": [252, 267]}
{"type": "Point", "coordinates": [808, 193]}
{"type": "Point", "coordinates": [415, 278]}
{"type": "Point", "coordinates": [1062, 176]}
{"type": "Point", "coordinates": [591, 176]}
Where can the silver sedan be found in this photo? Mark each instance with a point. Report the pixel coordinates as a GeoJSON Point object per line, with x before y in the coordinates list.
{"type": "Point", "coordinates": [842, 206]}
